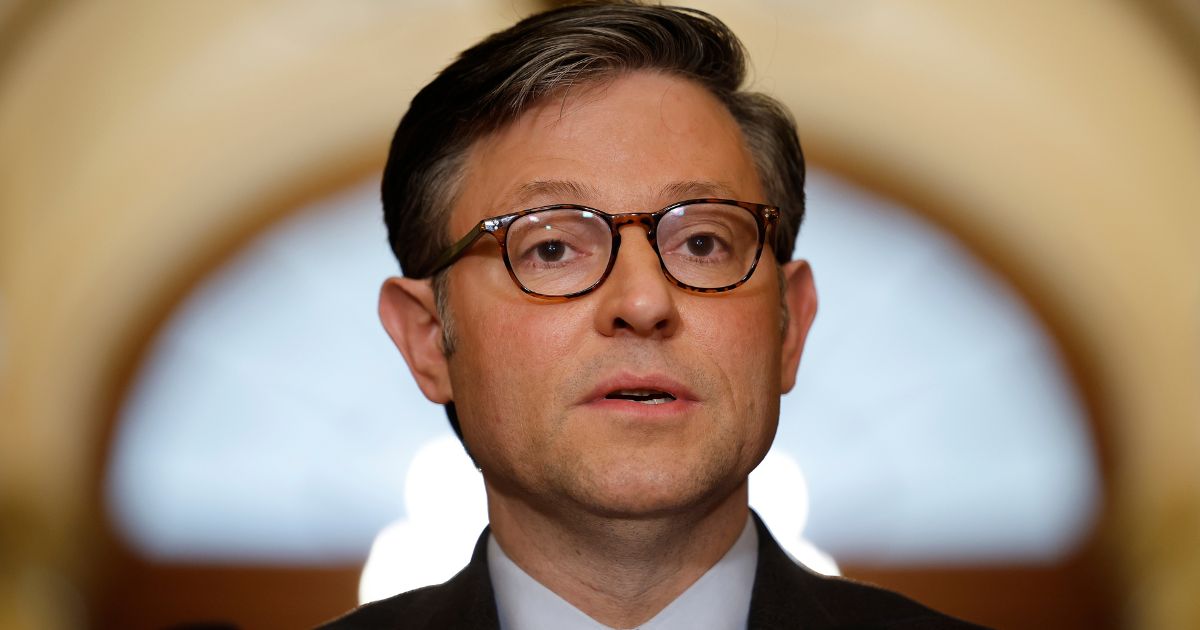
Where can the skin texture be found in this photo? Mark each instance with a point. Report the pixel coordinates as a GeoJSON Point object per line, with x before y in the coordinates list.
{"type": "Point", "coordinates": [616, 506]}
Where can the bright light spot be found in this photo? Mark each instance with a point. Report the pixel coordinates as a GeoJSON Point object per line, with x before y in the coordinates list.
{"type": "Point", "coordinates": [447, 509]}
{"type": "Point", "coordinates": [533, 218]}
{"type": "Point", "coordinates": [587, 215]}
{"type": "Point", "coordinates": [779, 493]}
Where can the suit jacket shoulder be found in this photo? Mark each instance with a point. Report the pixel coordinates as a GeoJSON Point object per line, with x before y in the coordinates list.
{"type": "Point", "coordinates": [788, 595]}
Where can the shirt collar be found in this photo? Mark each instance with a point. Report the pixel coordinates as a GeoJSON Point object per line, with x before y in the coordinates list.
{"type": "Point", "coordinates": [720, 599]}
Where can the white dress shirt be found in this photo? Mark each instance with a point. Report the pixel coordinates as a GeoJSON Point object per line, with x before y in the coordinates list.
{"type": "Point", "coordinates": [719, 600]}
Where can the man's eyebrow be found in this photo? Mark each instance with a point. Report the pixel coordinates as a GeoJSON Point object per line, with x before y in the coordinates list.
{"type": "Point", "coordinates": [567, 191]}
{"type": "Point", "coordinates": [678, 191]}
{"type": "Point", "coordinates": [564, 191]}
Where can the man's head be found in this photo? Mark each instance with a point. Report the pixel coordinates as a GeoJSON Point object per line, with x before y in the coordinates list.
{"type": "Point", "coordinates": [622, 108]}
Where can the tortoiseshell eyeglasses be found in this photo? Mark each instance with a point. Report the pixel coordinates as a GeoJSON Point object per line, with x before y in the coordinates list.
{"type": "Point", "coordinates": [566, 250]}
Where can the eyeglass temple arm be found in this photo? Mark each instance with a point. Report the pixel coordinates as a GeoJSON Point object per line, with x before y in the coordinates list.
{"type": "Point", "coordinates": [455, 251]}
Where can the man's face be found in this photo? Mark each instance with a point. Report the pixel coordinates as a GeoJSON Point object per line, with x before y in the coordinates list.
{"type": "Point", "coordinates": [533, 380]}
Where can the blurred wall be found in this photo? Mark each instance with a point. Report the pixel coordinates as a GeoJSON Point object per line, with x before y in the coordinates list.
{"type": "Point", "coordinates": [140, 142]}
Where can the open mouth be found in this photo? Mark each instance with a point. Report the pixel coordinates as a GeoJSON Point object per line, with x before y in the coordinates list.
{"type": "Point", "coordinates": [644, 396]}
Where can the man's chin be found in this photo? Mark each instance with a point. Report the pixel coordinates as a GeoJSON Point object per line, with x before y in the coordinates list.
{"type": "Point", "coordinates": [650, 496]}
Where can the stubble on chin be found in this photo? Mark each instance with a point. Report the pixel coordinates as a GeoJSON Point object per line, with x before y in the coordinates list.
{"type": "Point", "coordinates": [624, 482]}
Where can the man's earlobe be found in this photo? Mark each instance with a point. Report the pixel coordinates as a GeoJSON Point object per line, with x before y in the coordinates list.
{"type": "Point", "coordinates": [801, 297]}
{"type": "Point", "coordinates": [408, 311]}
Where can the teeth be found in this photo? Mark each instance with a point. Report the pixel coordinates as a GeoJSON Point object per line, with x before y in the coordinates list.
{"type": "Point", "coordinates": [644, 396]}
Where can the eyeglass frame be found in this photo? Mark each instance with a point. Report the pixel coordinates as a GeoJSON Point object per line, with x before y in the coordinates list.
{"type": "Point", "coordinates": [766, 217]}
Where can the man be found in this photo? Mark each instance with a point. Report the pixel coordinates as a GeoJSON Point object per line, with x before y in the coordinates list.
{"type": "Point", "coordinates": [595, 227]}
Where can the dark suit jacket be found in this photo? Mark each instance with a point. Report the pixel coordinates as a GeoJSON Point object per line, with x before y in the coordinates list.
{"type": "Point", "coordinates": [785, 595]}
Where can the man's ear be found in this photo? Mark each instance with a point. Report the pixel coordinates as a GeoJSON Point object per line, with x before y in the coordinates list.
{"type": "Point", "coordinates": [408, 311]}
{"type": "Point", "coordinates": [800, 294]}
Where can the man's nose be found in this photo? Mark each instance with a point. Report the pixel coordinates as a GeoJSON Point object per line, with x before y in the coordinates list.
{"type": "Point", "coordinates": [637, 298]}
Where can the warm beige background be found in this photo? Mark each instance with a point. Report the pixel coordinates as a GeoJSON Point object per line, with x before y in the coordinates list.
{"type": "Point", "coordinates": [142, 141]}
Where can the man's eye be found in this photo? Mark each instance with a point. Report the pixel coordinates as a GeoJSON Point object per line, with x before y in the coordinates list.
{"type": "Point", "coordinates": [550, 251]}
{"type": "Point", "coordinates": [701, 244]}
{"type": "Point", "coordinates": [701, 247]}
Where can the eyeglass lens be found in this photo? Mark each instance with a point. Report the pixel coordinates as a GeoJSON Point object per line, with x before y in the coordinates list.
{"type": "Point", "coordinates": [563, 251]}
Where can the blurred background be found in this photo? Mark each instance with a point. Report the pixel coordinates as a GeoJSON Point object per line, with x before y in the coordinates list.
{"type": "Point", "coordinates": [200, 419]}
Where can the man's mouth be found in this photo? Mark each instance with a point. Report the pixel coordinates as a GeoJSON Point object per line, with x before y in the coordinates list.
{"type": "Point", "coordinates": [644, 396]}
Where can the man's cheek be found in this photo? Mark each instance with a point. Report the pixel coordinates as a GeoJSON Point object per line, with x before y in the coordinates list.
{"type": "Point", "coordinates": [541, 344]}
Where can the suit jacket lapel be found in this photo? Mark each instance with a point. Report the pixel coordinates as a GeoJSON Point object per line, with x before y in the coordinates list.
{"type": "Point", "coordinates": [469, 601]}
{"type": "Point", "coordinates": [783, 594]}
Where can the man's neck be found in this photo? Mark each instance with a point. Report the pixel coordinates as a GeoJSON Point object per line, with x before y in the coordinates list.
{"type": "Point", "coordinates": [620, 572]}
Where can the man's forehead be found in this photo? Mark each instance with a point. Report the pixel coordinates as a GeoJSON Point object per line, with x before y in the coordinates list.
{"type": "Point", "coordinates": [631, 143]}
